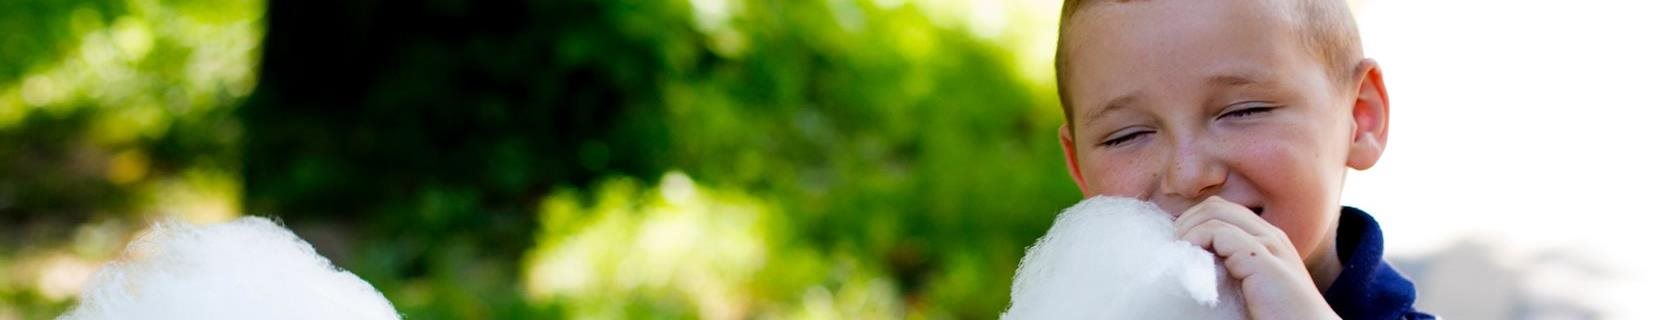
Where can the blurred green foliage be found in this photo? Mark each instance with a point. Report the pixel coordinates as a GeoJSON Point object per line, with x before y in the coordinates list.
{"type": "Point", "coordinates": [590, 159]}
{"type": "Point", "coordinates": [112, 112]}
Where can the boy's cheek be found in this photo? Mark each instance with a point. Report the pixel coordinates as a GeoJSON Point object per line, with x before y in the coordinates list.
{"type": "Point", "coordinates": [1280, 159]}
{"type": "Point", "coordinates": [1120, 175]}
{"type": "Point", "coordinates": [1288, 172]}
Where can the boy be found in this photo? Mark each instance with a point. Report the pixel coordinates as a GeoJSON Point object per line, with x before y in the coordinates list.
{"type": "Point", "coordinates": [1241, 117]}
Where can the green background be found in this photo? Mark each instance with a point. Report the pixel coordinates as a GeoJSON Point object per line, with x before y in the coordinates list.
{"type": "Point", "coordinates": [546, 159]}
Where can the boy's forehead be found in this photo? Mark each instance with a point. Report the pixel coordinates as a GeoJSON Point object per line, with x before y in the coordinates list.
{"type": "Point", "coordinates": [1320, 30]}
{"type": "Point", "coordinates": [1277, 13]}
{"type": "Point", "coordinates": [1281, 10]}
{"type": "Point", "coordinates": [1121, 46]}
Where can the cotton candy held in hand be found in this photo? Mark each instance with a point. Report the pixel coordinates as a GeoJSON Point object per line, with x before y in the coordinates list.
{"type": "Point", "coordinates": [249, 268]}
{"type": "Point", "coordinates": [1118, 258]}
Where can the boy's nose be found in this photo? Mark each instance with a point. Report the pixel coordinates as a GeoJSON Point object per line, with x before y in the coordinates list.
{"type": "Point", "coordinates": [1192, 175]}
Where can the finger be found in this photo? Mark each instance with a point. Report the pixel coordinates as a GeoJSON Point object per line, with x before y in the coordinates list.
{"type": "Point", "coordinates": [1244, 254]}
{"type": "Point", "coordinates": [1195, 215]}
{"type": "Point", "coordinates": [1216, 208]}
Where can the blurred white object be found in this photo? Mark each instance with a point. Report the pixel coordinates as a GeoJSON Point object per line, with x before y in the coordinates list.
{"type": "Point", "coordinates": [249, 268]}
{"type": "Point", "coordinates": [1117, 258]}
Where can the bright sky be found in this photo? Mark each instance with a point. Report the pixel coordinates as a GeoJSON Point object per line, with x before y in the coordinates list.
{"type": "Point", "coordinates": [1532, 125]}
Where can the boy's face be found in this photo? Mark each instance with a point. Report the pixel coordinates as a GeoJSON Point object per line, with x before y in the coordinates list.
{"type": "Point", "coordinates": [1177, 101]}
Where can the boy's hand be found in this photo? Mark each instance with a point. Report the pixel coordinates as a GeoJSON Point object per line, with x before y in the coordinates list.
{"type": "Point", "coordinates": [1275, 283]}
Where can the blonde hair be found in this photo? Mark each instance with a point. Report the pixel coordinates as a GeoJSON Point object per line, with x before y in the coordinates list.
{"type": "Point", "coordinates": [1325, 27]}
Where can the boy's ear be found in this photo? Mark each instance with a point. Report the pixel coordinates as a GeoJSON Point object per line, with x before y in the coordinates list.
{"type": "Point", "coordinates": [1370, 117]}
{"type": "Point", "coordinates": [1071, 155]}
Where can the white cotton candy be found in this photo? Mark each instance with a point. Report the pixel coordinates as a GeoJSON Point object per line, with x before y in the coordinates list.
{"type": "Point", "coordinates": [249, 268]}
{"type": "Point", "coordinates": [1118, 258]}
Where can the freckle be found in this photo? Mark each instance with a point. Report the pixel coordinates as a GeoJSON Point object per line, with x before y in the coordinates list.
{"type": "Point", "coordinates": [1251, 254]}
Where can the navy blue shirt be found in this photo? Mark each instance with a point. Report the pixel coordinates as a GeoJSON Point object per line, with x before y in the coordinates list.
{"type": "Point", "coordinates": [1368, 288]}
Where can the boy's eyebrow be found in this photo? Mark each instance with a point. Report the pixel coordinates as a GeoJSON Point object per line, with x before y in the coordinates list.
{"type": "Point", "coordinates": [1116, 104]}
{"type": "Point", "coordinates": [1230, 80]}
{"type": "Point", "coordinates": [1239, 79]}
{"type": "Point", "coordinates": [1234, 79]}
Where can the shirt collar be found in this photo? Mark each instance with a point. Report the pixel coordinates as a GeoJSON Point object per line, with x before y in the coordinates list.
{"type": "Point", "coordinates": [1367, 288]}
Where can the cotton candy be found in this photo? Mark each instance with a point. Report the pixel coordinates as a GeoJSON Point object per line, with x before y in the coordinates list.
{"type": "Point", "coordinates": [249, 268]}
{"type": "Point", "coordinates": [1118, 258]}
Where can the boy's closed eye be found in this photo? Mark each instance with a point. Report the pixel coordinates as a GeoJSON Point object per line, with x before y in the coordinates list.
{"type": "Point", "coordinates": [1240, 111]}
{"type": "Point", "coordinates": [1126, 135]}
{"type": "Point", "coordinates": [1246, 110]}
